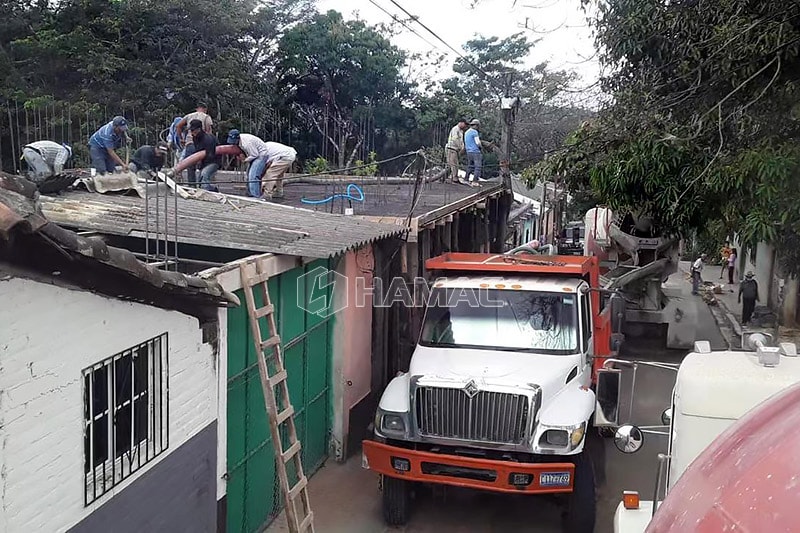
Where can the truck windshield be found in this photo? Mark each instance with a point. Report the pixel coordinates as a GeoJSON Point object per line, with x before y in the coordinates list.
{"type": "Point", "coordinates": [495, 319]}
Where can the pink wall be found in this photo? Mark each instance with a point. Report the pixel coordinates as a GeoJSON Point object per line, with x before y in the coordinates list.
{"type": "Point", "coordinates": [352, 342]}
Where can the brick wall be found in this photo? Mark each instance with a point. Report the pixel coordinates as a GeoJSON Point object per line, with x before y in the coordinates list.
{"type": "Point", "coordinates": [49, 335]}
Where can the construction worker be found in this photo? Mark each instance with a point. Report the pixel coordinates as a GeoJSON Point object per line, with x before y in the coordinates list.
{"type": "Point", "coordinates": [748, 296]}
{"type": "Point", "coordinates": [148, 157]}
{"type": "Point", "coordinates": [45, 159]}
{"type": "Point", "coordinates": [254, 151]}
{"type": "Point", "coordinates": [210, 163]}
{"type": "Point", "coordinates": [104, 141]}
{"type": "Point", "coordinates": [185, 141]}
{"type": "Point", "coordinates": [473, 146]}
{"type": "Point", "coordinates": [279, 159]}
{"type": "Point", "coordinates": [455, 147]}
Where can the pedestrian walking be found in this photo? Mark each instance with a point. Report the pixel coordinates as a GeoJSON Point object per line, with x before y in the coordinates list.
{"type": "Point", "coordinates": [45, 159]}
{"type": "Point", "coordinates": [725, 253]}
{"type": "Point", "coordinates": [731, 265]}
{"type": "Point", "coordinates": [748, 296]}
{"type": "Point", "coordinates": [697, 273]}
{"type": "Point", "coordinates": [104, 142]}
{"type": "Point", "coordinates": [455, 147]}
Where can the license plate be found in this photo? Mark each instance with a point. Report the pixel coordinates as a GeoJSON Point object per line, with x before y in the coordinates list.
{"type": "Point", "coordinates": [554, 479]}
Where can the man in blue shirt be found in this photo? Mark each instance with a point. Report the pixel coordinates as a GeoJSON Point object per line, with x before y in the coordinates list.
{"type": "Point", "coordinates": [472, 144]}
{"type": "Point", "coordinates": [104, 141]}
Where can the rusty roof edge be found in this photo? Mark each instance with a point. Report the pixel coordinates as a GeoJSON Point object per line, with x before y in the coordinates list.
{"type": "Point", "coordinates": [20, 211]}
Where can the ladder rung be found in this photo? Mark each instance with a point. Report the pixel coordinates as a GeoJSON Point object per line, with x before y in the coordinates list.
{"type": "Point", "coordinates": [264, 311]}
{"type": "Point", "coordinates": [277, 378]}
{"type": "Point", "coordinates": [307, 521]}
{"type": "Point", "coordinates": [256, 279]}
{"type": "Point", "coordinates": [290, 452]}
{"type": "Point", "coordinates": [270, 342]}
{"type": "Point", "coordinates": [285, 414]}
{"type": "Point", "coordinates": [297, 489]}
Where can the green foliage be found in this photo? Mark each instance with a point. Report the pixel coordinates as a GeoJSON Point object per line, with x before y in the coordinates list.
{"type": "Point", "coordinates": [367, 169]}
{"type": "Point", "coordinates": [703, 125]}
{"type": "Point", "coordinates": [317, 165]}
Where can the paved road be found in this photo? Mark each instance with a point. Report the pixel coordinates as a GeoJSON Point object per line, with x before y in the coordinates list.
{"type": "Point", "coordinates": [346, 500]}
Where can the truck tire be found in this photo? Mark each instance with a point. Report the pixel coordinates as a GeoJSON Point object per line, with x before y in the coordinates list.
{"type": "Point", "coordinates": [582, 503]}
{"type": "Point", "coordinates": [396, 501]}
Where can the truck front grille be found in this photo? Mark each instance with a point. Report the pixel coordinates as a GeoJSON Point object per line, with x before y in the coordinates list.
{"type": "Point", "coordinates": [494, 417]}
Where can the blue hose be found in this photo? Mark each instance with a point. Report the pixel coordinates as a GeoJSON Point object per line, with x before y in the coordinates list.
{"type": "Point", "coordinates": [346, 196]}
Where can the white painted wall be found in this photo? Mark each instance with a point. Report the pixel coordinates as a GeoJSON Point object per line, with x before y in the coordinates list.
{"type": "Point", "coordinates": [49, 334]}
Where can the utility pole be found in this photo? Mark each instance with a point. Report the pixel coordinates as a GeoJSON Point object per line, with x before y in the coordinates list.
{"type": "Point", "coordinates": [508, 109]}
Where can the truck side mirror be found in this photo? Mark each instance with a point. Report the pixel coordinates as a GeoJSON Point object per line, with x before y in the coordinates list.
{"type": "Point", "coordinates": [607, 394]}
{"type": "Point", "coordinates": [629, 439]}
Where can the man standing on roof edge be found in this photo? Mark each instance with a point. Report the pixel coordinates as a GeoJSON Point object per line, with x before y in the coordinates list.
{"type": "Point", "coordinates": [256, 153]}
{"type": "Point", "coordinates": [472, 144]}
{"type": "Point", "coordinates": [186, 141]}
{"type": "Point", "coordinates": [454, 147]}
{"type": "Point", "coordinates": [104, 141]}
{"type": "Point", "coordinates": [45, 159]}
{"type": "Point", "coordinates": [210, 163]}
{"type": "Point", "coordinates": [279, 159]}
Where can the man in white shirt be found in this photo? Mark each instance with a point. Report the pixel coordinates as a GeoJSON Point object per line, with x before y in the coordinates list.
{"type": "Point", "coordinates": [45, 159]}
{"type": "Point", "coordinates": [274, 158]}
{"type": "Point", "coordinates": [697, 269]}
{"type": "Point", "coordinates": [454, 147]}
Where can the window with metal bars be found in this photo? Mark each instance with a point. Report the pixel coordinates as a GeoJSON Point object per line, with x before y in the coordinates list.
{"type": "Point", "coordinates": [126, 414]}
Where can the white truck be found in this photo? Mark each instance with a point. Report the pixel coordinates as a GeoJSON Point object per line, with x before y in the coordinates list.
{"type": "Point", "coordinates": [713, 389]}
{"type": "Point", "coordinates": [499, 392]}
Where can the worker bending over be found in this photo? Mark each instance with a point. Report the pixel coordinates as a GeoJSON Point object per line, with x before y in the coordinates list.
{"type": "Point", "coordinates": [45, 159]}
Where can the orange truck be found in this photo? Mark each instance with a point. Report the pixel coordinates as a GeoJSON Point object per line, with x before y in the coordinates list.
{"type": "Point", "coordinates": [499, 395]}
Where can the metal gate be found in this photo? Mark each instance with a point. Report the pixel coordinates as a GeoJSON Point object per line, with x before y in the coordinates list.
{"type": "Point", "coordinates": [253, 494]}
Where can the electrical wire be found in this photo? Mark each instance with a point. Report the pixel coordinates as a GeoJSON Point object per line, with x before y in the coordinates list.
{"type": "Point", "coordinates": [409, 28]}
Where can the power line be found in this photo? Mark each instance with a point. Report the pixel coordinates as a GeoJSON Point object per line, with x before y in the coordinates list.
{"type": "Point", "coordinates": [459, 54]}
{"type": "Point", "coordinates": [409, 28]}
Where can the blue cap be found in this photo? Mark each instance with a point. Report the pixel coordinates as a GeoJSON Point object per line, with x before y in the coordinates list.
{"type": "Point", "coordinates": [233, 137]}
{"type": "Point", "coordinates": [120, 122]}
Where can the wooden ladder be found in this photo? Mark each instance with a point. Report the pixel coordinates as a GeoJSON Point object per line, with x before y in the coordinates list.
{"type": "Point", "coordinates": [279, 408]}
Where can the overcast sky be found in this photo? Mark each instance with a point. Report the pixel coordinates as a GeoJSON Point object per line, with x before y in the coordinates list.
{"type": "Point", "coordinates": [565, 40]}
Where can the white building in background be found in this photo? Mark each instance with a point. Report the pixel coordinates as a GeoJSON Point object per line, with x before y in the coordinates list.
{"type": "Point", "coordinates": [108, 384]}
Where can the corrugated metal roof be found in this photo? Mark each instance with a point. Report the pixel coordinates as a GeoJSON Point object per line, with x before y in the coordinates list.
{"type": "Point", "coordinates": [252, 226]}
{"type": "Point", "coordinates": [21, 218]}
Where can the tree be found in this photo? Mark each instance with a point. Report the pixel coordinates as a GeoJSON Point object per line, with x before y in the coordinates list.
{"type": "Point", "coordinates": [336, 72]}
{"type": "Point", "coordinates": [703, 125]}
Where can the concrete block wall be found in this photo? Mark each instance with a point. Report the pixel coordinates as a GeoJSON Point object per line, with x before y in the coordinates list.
{"type": "Point", "coordinates": [49, 334]}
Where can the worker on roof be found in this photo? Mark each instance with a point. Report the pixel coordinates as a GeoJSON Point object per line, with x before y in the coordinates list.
{"type": "Point", "coordinates": [279, 159]}
{"type": "Point", "coordinates": [473, 145]}
{"type": "Point", "coordinates": [186, 142]}
{"type": "Point", "coordinates": [208, 166]}
{"type": "Point", "coordinates": [255, 152]}
{"type": "Point", "coordinates": [45, 159]}
{"type": "Point", "coordinates": [455, 147]}
{"type": "Point", "coordinates": [148, 157]}
{"type": "Point", "coordinates": [104, 142]}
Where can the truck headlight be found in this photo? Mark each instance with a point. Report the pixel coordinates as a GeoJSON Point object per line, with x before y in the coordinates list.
{"type": "Point", "coordinates": [393, 423]}
{"type": "Point", "coordinates": [569, 437]}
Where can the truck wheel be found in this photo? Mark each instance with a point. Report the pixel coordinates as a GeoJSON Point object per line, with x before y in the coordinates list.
{"type": "Point", "coordinates": [396, 500]}
{"type": "Point", "coordinates": [582, 504]}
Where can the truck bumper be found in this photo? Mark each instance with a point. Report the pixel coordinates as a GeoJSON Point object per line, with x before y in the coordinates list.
{"type": "Point", "coordinates": [633, 520]}
{"type": "Point", "coordinates": [484, 474]}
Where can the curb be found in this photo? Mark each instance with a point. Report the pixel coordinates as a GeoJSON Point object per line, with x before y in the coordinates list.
{"type": "Point", "coordinates": [724, 318]}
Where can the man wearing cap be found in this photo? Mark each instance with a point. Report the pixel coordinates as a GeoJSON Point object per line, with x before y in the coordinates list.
{"type": "Point", "coordinates": [454, 147]}
{"type": "Point", "coordinates": [45, 159]}
{"type": "Point", "coordinates": [256, 152]}
{"type": "Point", "coordinates": [185, 141]}
{"type": "Point", "coordinates": [472, 144]}
{"type": "Point", "coordinates": [149, 157]}
{"type": "Point", "coordinates": [210, 163]}
{"type": "Point", "coordinates": [748, 296]}
{"type": "Point", "coordinates": [104, 141]}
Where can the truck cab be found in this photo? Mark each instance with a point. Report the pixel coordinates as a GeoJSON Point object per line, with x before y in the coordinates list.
{"type": "Point", "coordinates": [498, 395]}
{"type": "Point", "coordinates": [713, 390]}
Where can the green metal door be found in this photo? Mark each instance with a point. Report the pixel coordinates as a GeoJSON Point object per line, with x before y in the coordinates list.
{"type": "Point", "coordinates": [253, 493]}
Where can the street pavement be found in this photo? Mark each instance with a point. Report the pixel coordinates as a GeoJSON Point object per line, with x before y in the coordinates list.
{"type": "Point", "coordinates": [345, 497]}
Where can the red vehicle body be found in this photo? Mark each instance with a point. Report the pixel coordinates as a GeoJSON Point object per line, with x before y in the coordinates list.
{"type": "Point", "coordinates": [747, 480]}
